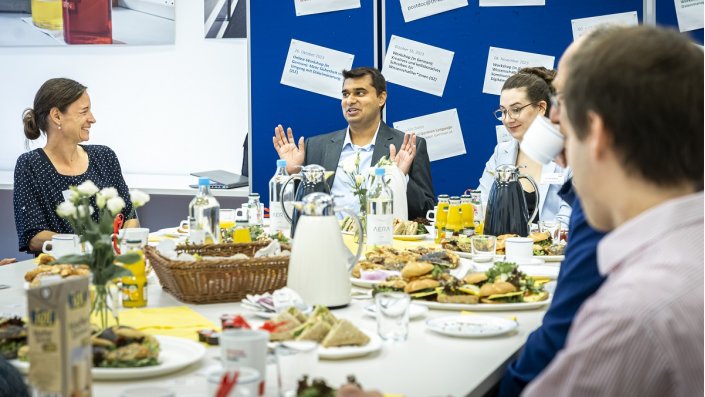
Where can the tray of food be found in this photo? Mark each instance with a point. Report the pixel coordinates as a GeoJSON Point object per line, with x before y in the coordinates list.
{"type": "Point", "coordinates": [337, 338]}
{"type": "Point", "coordinates": [502, 287]}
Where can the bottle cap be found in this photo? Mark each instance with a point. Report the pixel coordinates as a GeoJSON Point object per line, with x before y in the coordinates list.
{"type": "Point", "coordinates": [203, 181]}
{"type": "Point", "coordinates": [134, 241]}
{"type": "Point", "coordinates": [379, 171]}
{"type": "Point", "coordinates": [281, 163]}
{"type": "Point", "coordinates": [253, 195]}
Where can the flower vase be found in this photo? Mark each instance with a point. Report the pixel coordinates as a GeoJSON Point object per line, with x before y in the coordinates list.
{"type": "Point", "coordinates": [105, 305]}
{"type": "Point", "coordinates": [363, 221]}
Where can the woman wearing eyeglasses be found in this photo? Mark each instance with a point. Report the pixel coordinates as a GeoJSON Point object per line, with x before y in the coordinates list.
{"type": "Point", "coordinates": [526, 95]}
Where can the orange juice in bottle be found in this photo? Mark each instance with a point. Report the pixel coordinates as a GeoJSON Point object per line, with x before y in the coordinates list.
{"type": "Point", "coordinates": [441, 216]}
{"type": "Point", "coordinates": [454, 222]}
{"type": "Point", "coordinates": [467, 211]}
{"type": "Point", "coordinates": [134, 288]}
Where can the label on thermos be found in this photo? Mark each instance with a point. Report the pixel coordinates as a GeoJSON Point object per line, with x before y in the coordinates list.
{"type": "Point", "coordinates": [379, 229]}
{"type": "Point", "coordinates": [277, 221]}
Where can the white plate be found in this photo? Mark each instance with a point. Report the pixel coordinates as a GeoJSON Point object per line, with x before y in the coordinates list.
{"type": "Point", "coordinates": [263, 314]}
{"type": "Point", "coordinates": [415, 311]}
{"type": "Point", "coordinates": [551, 258]}
{"type": "Point", "coordinates": [174, 354]}
{"type": "Point", "coordinates": [410, 237]}
{"type": "Point", "coordinates": [466, 255]}
{"type": "Point", "coordinates": [485, 307]}
{"type": "Point", "coordinates": [337, 353]}
{"type": "Point", "coordinates": [364, 283]}
{"type": "Point", "coordinates": [471, 326]}
{"type": "Point", "coordinates": [538, 269]}
{"type": "Point", "coordinates": [404, 237]}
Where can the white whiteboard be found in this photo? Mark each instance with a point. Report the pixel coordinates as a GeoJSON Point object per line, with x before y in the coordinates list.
{"type": "Point", "coordinates": [163, 109]}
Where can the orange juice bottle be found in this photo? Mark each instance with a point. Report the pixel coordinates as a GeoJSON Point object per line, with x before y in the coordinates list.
{"type": "Point", "coordinates": [454, 222]}
{"type": "Point", "coordinates": [441, 216]}
{"type": "Point", "coordinates": [134, 288]}
{"type": "Point", "coordinates": [467, 211]}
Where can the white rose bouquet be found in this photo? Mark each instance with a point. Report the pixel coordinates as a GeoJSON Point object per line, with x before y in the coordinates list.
{"type": "Point", "coordinates": [101, 260]}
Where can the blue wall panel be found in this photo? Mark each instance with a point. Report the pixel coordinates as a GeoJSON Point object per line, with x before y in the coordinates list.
{"type": "Point", "coordinates": [273, 25]}
{"type": "Point", "coordinates": [470, 32]}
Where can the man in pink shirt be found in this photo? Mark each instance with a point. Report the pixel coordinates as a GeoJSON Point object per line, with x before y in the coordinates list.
{"type": "Point", "coordinates": [631, 105]}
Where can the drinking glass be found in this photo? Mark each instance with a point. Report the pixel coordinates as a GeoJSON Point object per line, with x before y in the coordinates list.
{"type": "Point", "coordinates": [393, 315]}
{"type": "Point", "coordinates": [294, 360]}
{"type": "Point", "coordinates": [227, 218]}
{"type": "Point", "coordinates": [483, 247]}
{"type": "Point", "coordinates": [553, 227]}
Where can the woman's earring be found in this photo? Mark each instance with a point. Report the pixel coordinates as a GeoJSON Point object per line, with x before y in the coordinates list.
{"type": "Point", "coordinates": [59, 125]}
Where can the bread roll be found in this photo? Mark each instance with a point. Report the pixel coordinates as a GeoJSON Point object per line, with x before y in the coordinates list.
{"type": "Point", "coordinates": [498, 288]}
{"type": "Point", "coordinates": [464, 299]}
{"type": "Point", "coordinates": [475, 278]}
{"type": "Point", "coordinates": [418, 285]}
{"type": "Point", "coordinates": [416, 269]}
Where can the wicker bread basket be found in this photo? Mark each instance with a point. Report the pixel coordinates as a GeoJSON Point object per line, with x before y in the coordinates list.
{"type": "Point", "coordinates": [219, 280]}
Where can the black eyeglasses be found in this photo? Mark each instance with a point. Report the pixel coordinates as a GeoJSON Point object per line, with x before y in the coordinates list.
{"type": "Point", "coordinates": [512, 112]}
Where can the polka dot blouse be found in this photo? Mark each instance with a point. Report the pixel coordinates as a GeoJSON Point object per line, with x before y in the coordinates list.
{"type": "Point", "coordinates": [38, 190]}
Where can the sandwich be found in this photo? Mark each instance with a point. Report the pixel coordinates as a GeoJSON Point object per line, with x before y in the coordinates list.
{"type": "Point", "coordinates": [344, 333]}
{"type": "Point", "coordinates": [542, 240]}
{"type": "Point", "coordinates": [406, 228]}
{"type": "Point", "coordinates": [421, 279]}
{"type": "Point", "coordinates": [283, 326]}
{"type": "Point", "coordinates": [456, 291]}
{"type": "Point", "coordinates": [312, 330]}
{"type": "Point", "coordinates": [500, 292]}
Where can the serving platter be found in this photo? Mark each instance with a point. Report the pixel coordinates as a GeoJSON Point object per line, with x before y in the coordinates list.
{"type": "Point", "coordinates": [485, 307]}
{"type": "Point", "coordinates": [465, 326]}
{"type": "Point", "coordinates": [174, 354]}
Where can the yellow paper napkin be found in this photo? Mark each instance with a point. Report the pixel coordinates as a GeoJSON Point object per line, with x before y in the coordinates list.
{"type": "Point", "coordinates": [178, 321]}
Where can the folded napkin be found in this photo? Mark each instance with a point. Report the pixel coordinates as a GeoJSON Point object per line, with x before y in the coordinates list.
{"type": "Point", "coordinates": [178, 321]}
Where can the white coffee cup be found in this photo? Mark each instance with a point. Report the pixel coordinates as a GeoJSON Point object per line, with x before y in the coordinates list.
{"type": "Point", "coordinates": [62, 244]}
{"type": "Point", "coordinates": [542, 141]}
{"type": "Point", "coordinates": [518, 248]}
{"type": "Point", "coordinates": [244, 348]}
{"type": "Point", "coordinates": [134, 233]}
{"type": "Point", "coordinates": [431, 214]}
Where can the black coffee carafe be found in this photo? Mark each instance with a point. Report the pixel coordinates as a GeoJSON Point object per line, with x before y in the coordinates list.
{"type": "Point", "coordinates": [312, 178]}
{"type": "Point", "coordinates": [507, 211]}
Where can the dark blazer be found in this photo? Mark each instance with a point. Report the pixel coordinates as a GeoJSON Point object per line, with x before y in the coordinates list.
{"type": "Point", "coordinates": [325, 150]}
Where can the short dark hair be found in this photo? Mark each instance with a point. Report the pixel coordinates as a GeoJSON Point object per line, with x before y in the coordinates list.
{"type": "Point", "coordinates": [54, 93]}
{"type": "Point", "coordinates": [378, 80]}
{"type": "Point", "coordinates": [537, 82]}
{"type": "Point", "coordinates": [646, 84]}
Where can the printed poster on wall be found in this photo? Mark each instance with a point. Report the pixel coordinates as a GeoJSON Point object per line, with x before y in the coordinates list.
{"type": "Point", "coordinates": [502, 63]}
{"type": "Point", "coordinates": [441, 131]}
{"type": "Point", "coordinates": [417, 9]}
{"type": "Point", "coordinates": [507, 3]}
{"type": "Point", "coordinates": [315, 68]}
{"type": "Point", "coordinates": [308, 7]}
{"type": "Point", "coordinates": [689, 14]}
{"type": "Point", "coordinates": [417, 65]}
{"type": "Point", "coordinates": [583, 26]}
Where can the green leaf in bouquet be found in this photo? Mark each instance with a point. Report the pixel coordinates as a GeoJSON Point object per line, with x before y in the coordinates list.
{"type": "Point", "coordinates": [73, 259]}
{"type": "Point", "coordinates": [114, 271]}
{"type": "Point", "coordinates": [128, 258]}
{"type": "Point", "coordinates": [106, 222]}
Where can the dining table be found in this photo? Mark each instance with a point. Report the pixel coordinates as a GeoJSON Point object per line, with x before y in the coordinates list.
{"type": "Point", "coordinates": [426, 364]}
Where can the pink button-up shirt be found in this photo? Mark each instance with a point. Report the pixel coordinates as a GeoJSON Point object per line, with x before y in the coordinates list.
{"type": "Point", "coordinates": [641, 334]}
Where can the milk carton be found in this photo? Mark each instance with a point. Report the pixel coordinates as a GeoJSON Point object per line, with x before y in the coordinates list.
{"type": "Point", "coordinates": [59, 338]}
